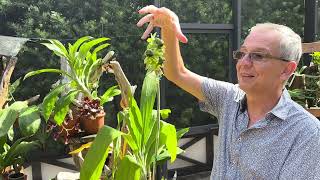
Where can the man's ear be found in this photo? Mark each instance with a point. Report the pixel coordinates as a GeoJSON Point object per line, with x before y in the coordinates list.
{"type": "Point", "coordinates": [289, 69]}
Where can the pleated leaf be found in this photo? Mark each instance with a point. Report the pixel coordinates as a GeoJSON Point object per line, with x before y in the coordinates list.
{"type": "Point", "coordinates": [109, 94]}
{"type": "Point", "coordinates": [29, 121]}
{"type": "Point", "coordinates": [86, 47]}
{"type": "Point", "coordinates": [97, 154]}
{"type": "Point", "coordinates": [62, 106]}
{"type": "Point", "coordinates": [148, 96]}
{"type": "Point", "coordinates": [9, 115]}
{"type": "Point", "coordinates": [32, 73]}
{"type": "Point", "coordinates": [129, 169]}
{"type": "Point", "coordinates": [135, 122]}
{"type": "Point", "coordinates": [50, 100]}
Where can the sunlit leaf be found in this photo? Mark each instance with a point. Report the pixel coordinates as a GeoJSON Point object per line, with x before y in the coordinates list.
{"type": "Point", "coordinates": [29, 120]}
{"type": "Point", "coordinates": [97, 154]}
{"type": "Point", "coordinates": [129, 168]}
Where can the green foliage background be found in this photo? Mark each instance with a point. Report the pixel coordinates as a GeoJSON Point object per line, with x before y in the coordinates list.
{"type": "Point", "coordinates": [206, 54]}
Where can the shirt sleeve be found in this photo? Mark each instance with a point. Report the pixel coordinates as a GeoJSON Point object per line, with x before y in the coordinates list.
{"type": "Point", "coordinates": [303, 162]}
{"type": "Point", "coordinates": [216, 94]}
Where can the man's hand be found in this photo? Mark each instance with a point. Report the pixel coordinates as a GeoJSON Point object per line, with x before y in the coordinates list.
{"type": "Point", "coordinates": [163, 18]}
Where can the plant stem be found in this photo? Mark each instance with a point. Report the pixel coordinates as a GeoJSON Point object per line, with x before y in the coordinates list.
{"type": "Point", "coordinates": [158, 133]}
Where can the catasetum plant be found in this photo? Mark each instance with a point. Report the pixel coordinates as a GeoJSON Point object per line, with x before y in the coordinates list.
{"type": "Point", "coordinates": [85, 71]}
{"type": "Point", "coordinates": [146, 141]}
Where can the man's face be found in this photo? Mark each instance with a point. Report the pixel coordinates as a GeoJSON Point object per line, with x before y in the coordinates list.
{"type": "Point", "coordinates": [260, 76]}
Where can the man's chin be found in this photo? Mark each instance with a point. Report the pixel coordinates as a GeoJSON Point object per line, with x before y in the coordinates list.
{"type": "Point", "coordinates": [245, 87]}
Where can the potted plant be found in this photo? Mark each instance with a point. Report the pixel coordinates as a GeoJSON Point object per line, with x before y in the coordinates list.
{"type": "Point", "coordinates": [79, 94]}
{"type": "Point", "coordinates": [141, 140]}
{"type": "Point", "coordinates": [304, 86]}
{"type": "Point", "coordinates": [18, 123]}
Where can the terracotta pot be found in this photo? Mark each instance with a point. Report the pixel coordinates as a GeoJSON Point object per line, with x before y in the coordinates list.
{"type": "Point", "coordinates": [91, 124]}
{"type": "Point", "coordinates": [17, 176]}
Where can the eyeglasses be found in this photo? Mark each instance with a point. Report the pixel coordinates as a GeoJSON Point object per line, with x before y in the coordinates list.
{"type": "Point", "coordinates": [255, 56]}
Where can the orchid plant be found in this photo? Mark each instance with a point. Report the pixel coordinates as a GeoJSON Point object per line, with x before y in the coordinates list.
{"type": "Point", "coordinates": [147, 140]}
{"type": "Point", "coordinates": [86, 69]}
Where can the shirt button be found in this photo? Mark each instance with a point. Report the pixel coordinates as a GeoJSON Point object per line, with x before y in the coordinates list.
{"type": "Point", "coordinates": [239, 139]}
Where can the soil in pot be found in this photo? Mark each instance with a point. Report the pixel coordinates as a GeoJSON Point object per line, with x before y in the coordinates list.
{"type": "Point", "coordinates": [17, 176]}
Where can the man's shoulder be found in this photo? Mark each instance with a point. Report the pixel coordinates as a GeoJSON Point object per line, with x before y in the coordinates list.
{"type": "Point", "coordinates": [229, 90]}
{"type": "Point", "coordinates": [301, 118]}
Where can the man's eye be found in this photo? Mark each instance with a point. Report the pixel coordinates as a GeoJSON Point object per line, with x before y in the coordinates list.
{"type": "Point", "coordinates": [241, 54]}
{"type": "Point", "coordinates": [257, 56]}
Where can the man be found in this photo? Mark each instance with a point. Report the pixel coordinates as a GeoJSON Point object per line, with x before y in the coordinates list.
{"type": "Point", "coordinates": [263, 134]}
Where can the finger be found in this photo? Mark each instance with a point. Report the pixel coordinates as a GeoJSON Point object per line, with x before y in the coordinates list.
{"type": "Point", "coordinates": [148, 9]}
{"type": "Point", "coordinates": [145, 19]}
{"type": "Point", "coordinates": [179, 34]}
{"type": "Point", "coordinates": [147, 31]}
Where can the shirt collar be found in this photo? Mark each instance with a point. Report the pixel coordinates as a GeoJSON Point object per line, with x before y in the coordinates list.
{"type": "Point", "coordinates": [281, 109]}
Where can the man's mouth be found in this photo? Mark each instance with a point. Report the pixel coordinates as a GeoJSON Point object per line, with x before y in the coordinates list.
{"type": "Point", "coordinates": [245, 75]}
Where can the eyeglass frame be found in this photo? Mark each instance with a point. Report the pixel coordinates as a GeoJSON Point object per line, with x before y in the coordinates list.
{"type": "Point", "coordinates": [264, 55]}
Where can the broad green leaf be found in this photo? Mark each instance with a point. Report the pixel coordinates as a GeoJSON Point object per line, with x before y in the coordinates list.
{"type": "Point", "coordinates": [99, 48]}
{"type": "Point", "coordinates": [109, 94]}
{"type": "Point", "coordinates": [9, 115]}
{"type": "Point", "coordinates": [165, 155]}
{"type": "Point", "coordinates": [11, 134]}
{"type": "Point", "coordinates": [181, 132]}
{"type": "Point", "coordinates": [86, 70]}
{"type": "Point", "coordinates": [165, 113]}
{"type": "Point", "coordinates": [32, 73]}
{"type": "Point", "coordinates": [20, 148]}
{"type": "Point", "coordinates": [129, 168]}
{"type": "Point", "coordinates": [14, 85]}
{"type": "Point", "coordinates": [59, 45]}
{"type": "Point", "coordinates": [62, 106]}
{"type": "Point", "coordinates": [97, 154]}
{"type": "Point", "coordinates": [55, 49]}
{"type": "Point", "coordinates": [92, 72]}
{"type": "Point", "coordinates": [121, 117]}
{"type": "Point", "coordinates": [18, 105]}
{"type": "Point", "coordinates": [29, 121]}
{"type": "Point", "coordinates": [3, 140]}
{"type": "Point", "coordinates": [148, 95]}
{"type": "Point", "coordinates": [168, 133]}
{"type": "Point", "coordinates": [86, 47]}
{"type": "Point", "coordinates": [50, 100]}
{"type": "Point", "coordinates": [76, 45]}
{"type": "Point", "coordinates": [168, 138]}
{"type": "Point", "coordinates": [150, 145]}
{"type": "Point", "coordinates": [135, 121]}
{"type": "Point", "coordinates": [131, 142]}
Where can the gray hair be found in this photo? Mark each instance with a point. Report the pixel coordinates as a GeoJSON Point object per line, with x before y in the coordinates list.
{"type": "Point", "coordinates": [290, 42]}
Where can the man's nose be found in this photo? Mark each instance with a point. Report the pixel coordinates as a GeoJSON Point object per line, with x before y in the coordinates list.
{"type": "Point", "coordinates": [246, 60]}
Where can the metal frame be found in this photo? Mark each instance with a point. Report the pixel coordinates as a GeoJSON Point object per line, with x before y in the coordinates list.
{"type": "Point", "coordinates": [197, 133]}
{"type": "Point", "coordinates": [310, 26]}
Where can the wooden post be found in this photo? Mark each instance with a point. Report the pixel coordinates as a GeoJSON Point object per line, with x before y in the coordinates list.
{"type": "Point", "coordinates": [9, 66]}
